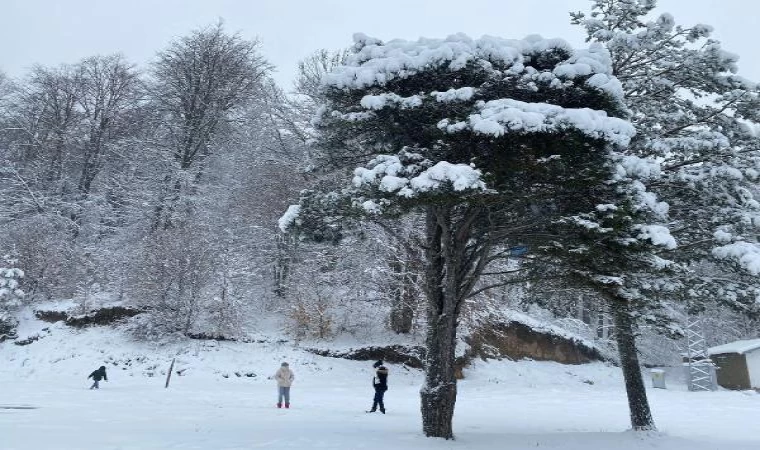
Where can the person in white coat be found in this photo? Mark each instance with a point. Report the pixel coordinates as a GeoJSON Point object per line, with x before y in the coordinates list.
{"type": "Point", "coordinates": [284, 377]}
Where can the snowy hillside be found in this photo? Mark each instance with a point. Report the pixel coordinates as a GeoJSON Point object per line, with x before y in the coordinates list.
{"type": "Point", "coordinates": [223, 399]}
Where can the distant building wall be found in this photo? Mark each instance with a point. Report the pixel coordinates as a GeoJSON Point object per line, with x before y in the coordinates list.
{"type": "Point", "coordinates": [732, 370]}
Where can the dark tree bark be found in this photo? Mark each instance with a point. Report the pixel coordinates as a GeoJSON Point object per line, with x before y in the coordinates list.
{"type": "Point", "coordinates": [438, 395]}
{"type": "Point", "coordinates": [453, 266]}
{"type": "Point", "coordinates": [641, 415]}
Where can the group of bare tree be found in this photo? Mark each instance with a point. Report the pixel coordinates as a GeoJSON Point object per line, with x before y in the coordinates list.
{"type": "Point", "coordinates": [158, 185]}
{"type": "Point", "coordinates": [161, 186]}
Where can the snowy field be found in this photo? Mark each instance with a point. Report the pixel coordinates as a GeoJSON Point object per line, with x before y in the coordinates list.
{"type": "Point", "coordinates": [504, 405]}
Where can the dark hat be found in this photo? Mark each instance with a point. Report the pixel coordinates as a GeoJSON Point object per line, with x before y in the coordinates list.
{"type": "Point", "coordinates": [378, 363]}
{"type": "Point", "coordinates": [102, 367]}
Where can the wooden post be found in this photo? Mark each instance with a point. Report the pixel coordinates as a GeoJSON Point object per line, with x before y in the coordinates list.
{"type": "Point", "coordinates": [169, 374]}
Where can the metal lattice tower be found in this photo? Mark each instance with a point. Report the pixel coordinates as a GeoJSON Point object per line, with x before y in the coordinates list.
{"type": "Point", "coordinates": [700, 370]}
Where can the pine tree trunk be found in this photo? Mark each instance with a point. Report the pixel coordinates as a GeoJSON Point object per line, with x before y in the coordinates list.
{"type": "Point", "coordinates": [438, 395]}
{"type": "Point", "coordinates": [638, 404]}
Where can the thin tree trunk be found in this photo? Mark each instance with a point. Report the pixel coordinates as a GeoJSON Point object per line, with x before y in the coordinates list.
{"type": "Point", "coordinates": [167, 204]}
{"type": "Point", "coordinates": [402, 313]}
{"type": "Point", "coordinates": [638, 404]}
{"type": "Point", "coordinates": [282, 264]}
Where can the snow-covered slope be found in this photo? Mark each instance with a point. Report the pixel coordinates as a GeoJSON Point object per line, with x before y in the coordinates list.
{"type": "Point", "coordinates": [501, 404]}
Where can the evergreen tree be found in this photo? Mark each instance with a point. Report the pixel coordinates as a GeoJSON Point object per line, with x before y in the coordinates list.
{"type": "Point", "coordinates": [474, 134]}
{"type": "Point", "coordinates": [696, 117]}
{"type": "Point", "coordinates": [694, 150]}
{"type": "Point", "coordinates": [10, 296]}
{"type": "Point", "coordinates": [615, 249]}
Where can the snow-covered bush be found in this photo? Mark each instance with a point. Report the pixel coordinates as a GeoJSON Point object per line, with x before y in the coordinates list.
{"type": "Point", "coordinates": [311, 316]}
{"type": "Point", "coordinates": [224, 313]}
{"type": "Point", "coordinates": [171, 280]}
{"type": "Point", "coordinates": [325, 294]}
{"type": "Point", "coordinates": [47, 253]}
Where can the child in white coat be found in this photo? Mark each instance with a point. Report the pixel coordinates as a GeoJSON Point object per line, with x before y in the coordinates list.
{"type": "Point", "coordinates": [284, 377]}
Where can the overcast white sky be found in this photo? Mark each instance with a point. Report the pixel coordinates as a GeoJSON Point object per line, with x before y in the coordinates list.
{"type": "Point", "coordinates": [57, 31]}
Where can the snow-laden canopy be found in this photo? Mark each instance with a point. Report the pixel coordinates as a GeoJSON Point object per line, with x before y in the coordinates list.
{"type": "Point", "coordinates": [377, 63]}
{"type": "Point", "coordinates": [534, 67]}
{"type": "Point", "coordinates": [746, 254]}
{"type": "Point", "coordinates": [473, 94]}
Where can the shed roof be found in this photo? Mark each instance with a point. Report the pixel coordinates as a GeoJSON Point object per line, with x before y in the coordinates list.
{"type": "Point", "coordinates": [739, 347]}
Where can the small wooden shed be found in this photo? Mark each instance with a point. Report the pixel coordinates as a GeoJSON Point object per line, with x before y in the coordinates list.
{"type": "Point", "coordinates": [738, 364]}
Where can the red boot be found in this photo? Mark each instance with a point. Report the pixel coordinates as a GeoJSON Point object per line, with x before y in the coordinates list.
{"type": "Point", "coordinates": [279, 405]}
{"type": "Point", "coordinates": [287, 405]}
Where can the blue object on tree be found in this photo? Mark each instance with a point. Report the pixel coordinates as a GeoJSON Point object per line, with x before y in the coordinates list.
{"type": "Point", "coordinates": [520, 250]}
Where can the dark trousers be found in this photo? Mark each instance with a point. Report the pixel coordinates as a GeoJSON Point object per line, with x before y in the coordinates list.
{"type": "Point", "coordinates": [378, 400]}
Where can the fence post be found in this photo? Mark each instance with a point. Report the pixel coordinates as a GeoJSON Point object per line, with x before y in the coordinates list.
{"type": "Point", "coordinates": [169, 374]}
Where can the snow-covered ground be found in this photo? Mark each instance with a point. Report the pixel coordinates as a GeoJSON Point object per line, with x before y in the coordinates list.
{"type": "Point", "coordinates": [505, 405]}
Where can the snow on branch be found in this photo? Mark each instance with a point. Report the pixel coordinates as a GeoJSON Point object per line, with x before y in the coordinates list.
{"type": "Point", "coordinates": [410, 175]}
{"type": "Point", "coordinates": [454, 95]}
{"type": "Point", "coordinates": [746, 254]}
{"type": "Point", "coordinates": [596, 63]}
{"type": "Point", "coordinates": [375, 63]}
{"type": "Point", "coordinates": [383, 100]}
{"type": "Point", "coordinates": [631, 166]}
{"type": "Point", "coordinates": [657, 235]}
{"type": "Point", "coordinates": [630, 170]}
{"type": "Point", "coordinates": [289, 218]}
{"type": "Point", "coordinates": [390, 99]}
{"type": "Point", "coordinates": [504, 116]}
{"type": "Point", "coordinates": [461, 177]}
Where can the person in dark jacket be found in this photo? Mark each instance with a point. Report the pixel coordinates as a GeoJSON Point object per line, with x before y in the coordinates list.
{"type": "Point", "coordinates": [380, 383]}
{"type": "Point", "coordinates": [97, 375]}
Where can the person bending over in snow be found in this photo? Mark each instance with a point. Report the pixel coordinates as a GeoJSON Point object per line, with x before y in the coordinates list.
{"type": "Point", "coordinates": [97, 375]}
{"type": "Point", "coordinates": [380, 383]}
{"type": "Point", "coordinates": [284, 377]}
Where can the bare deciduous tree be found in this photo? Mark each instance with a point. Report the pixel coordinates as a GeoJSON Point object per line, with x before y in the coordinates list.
{"type": "Point", "coordinates": [199, 82]}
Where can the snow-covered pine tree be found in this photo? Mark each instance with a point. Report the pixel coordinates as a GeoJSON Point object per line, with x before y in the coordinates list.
{"type": "Point", "coordinates": [699, 120]}
{"type": "Point", "coordinates": [475, 134]}
{"type": "Point", "coordinates": [614, 248]}
{"type": "Point", "coordinates": [695, 148]}
{"type": "Point", "coordinates": [10, 296]}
